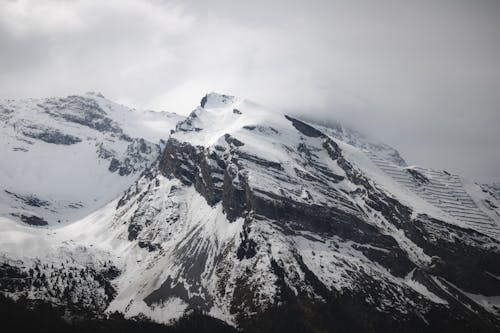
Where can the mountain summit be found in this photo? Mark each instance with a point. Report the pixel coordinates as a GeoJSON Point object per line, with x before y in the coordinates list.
{"type": "Point", "coordinates": [260, 219]}
{"type": "Point", "coordinates": [215, 100]}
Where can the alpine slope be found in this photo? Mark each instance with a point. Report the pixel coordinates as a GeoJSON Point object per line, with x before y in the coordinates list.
{"type": "Point", "coordinates": [251, 216]}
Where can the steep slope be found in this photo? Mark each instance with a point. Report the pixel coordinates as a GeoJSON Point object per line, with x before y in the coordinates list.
{"type": "Point", "coordinates": [354, 138]}
{"type": "Point", "coordinates": [274, 224]}
{"type": "Point", "coordinates": [493, 188]}
{"type": "Point", "coordinates": [63, 158]}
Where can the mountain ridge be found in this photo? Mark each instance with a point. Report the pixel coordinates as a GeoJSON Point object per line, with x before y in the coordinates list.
{"type": "Point", "coordinates": [251, 216]}
{"type": "Point", "coordinates": [87, 141]}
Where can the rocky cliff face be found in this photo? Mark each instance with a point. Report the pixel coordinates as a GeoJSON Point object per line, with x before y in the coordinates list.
{"type": "Point", "coordinates": [272, 223]}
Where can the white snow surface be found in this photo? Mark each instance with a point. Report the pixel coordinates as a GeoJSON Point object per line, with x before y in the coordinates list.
{"type": "Point", "coordinates": [72, 180]}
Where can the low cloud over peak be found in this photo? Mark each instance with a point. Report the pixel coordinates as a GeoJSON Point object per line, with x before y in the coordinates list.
{"type": "Point", "coordinates": [423, 76]}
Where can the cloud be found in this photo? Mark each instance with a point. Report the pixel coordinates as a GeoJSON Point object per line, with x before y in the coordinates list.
{"type": "Point", "coordinates": [59, 47]}
{"type": "Point", "coordinates": [422, 75]}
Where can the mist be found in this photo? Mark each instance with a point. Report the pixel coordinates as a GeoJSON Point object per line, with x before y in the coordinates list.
{"type": "Point", "coordinates": [422, 76]}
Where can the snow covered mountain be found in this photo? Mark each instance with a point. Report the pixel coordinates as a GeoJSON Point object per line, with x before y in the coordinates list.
{"type": "Point", "coordinates": [259, 219]}
{"type": "Point", "coordinates": [63, 158]}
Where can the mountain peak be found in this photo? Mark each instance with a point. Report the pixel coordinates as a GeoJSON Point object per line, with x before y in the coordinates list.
{"type": "Point", "coordinates": [243, 213]}
{"type": "Point", "coordinates": [215, 100]}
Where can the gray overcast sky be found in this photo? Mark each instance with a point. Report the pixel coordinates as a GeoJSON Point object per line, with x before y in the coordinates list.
{"type": "Point", "coordinates": [423, 76]}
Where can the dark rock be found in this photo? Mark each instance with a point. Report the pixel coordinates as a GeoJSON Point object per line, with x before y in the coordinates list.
{"type": "Point", "coordinates": [114, 165]}
{"type": "Point", "coordinates": [29, 200]}
{"type": "Point", "coordinates": [83, 111]}
{"type": "Point", "coordinates": [203, 101]}
{"type": "Point", "coordinates": [233, 141]}
{"type": "Point", "coordinates": [246, 250]}
{"type": "Point", "coordinates": [305, 129]}
{"type": "Point", "coordinates": [419, 177]}
{"type": "Point", "coordinates": [137, 157]}
{"type": "Point", "coordinates": [31, 219]}
{"type": "Point", "coordinates": [169, 289]}
{"type": "Point", "coordinates": [133, 231]}
{"type": "Point", "coordinates": [50, 136]}
{"type": "Point", "coordinates": [148, 245]}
